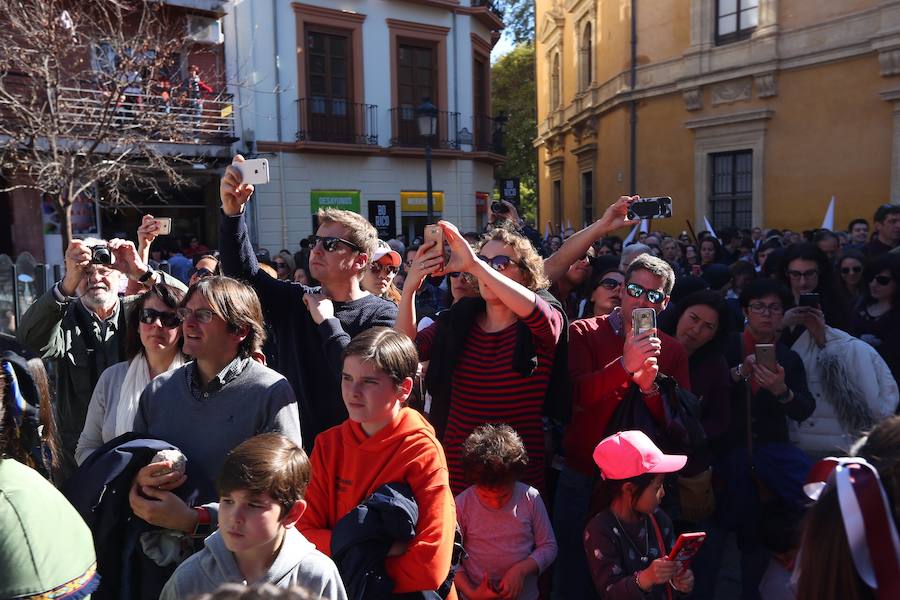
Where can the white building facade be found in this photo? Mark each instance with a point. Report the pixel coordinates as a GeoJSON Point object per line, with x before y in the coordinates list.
{"type": "Point", "coordinates": [326, 90]}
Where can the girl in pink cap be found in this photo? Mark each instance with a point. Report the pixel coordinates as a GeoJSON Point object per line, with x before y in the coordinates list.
{"type": "Point", "coordinates": [627, 543]}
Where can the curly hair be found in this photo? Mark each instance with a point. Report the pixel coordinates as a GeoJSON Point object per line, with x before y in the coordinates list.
{"type": "Point", "coordinates": [493, 455]}
{"type": "Point", "coordinates": [530, 262]}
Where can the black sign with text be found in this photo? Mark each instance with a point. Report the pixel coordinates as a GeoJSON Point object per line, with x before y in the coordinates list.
{"type": "Point", "coordinates": [509, 190]}
{"type": "Point", "coordinates": [383, 215]}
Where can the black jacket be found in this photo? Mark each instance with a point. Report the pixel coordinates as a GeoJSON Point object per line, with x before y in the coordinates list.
{"type": "Point", "coordinates": [361, 539]}
{"type": "Point", "coordinates": [453, 328]}
{"type": "Point", "coordinates": [769, 417]}
{"type": "Point", "coordinates": [98, 490]}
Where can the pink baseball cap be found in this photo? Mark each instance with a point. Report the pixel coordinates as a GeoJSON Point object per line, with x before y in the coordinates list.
{"type": "Point", "coordinates": [628, 454]}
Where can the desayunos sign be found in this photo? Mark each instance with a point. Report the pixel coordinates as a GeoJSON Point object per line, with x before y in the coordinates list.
{"type": "Point", "coordinates": [343, 199]}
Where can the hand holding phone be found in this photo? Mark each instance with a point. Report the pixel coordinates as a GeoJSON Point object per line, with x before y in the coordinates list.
{"type": "Point", "coordinates": [642, 320]}
{"type": "Point", "coordinates": [686, 547]}
{"type": "Point", "coordinates": [765, 356]}
{"type": "Point", "coordinates": [164, 225]}
{"type": "Point", "coordinates": [434, 233]}
{"type": "Point", "coordinates": [812, 300]}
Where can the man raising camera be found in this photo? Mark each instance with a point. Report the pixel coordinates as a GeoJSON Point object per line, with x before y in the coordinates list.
{"type": "Point", "coordinates": [79, 324]}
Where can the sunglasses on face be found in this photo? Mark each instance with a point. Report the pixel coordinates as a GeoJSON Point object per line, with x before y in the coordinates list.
{"type": "Point", "coordinates": [202, 315]}
{"type": "Point", "coordinates": [848, 270]}
{"type": "Point", "coordinates": [168, 320]}
{"type": "Point", "coordinates": [882, 280]}
{"type": "Point", "coordinates": [203, 273]}
{"type": "Point", "coordinates": [500, 262]}
{"type": "Point", "coordinates": [377, 268]}
{"type": "Point", "coordinates": [636, 291]}
{"type": "Point", "coordinates": [330, 244]}
{"type": "Point", "coordinates": [609, 283]}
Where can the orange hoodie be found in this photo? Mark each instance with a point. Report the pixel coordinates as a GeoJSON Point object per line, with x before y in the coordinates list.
{"type": "Point", "coordinates": [347, 467]}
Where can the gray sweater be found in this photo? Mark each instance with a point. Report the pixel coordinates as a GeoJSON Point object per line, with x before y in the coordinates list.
{"type": "Point", "coordinates": [206, 425]}
{"type": "Point", "coordinates": [100, 424]}
{"type": "Point", "coordinates": [298, 563]}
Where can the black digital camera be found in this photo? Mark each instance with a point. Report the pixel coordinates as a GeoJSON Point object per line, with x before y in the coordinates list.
{"type": "Point", "coordinates": [100, 255]}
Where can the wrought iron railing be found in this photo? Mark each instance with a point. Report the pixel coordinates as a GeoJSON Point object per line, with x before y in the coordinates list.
{"type": "Point", "coordinates": [338, 121]}
{"type": "Point", "coordinates": [488, 134]}
{"type": "Point", "coordinates": [406, 131]}
{"type": "Point", "coordinates": [163, 118]}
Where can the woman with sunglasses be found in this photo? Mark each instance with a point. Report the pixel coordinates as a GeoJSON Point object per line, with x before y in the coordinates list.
{"type": "Point", "coordinates": [606, 288]}
{"type": "Point", "coordinates": [850, 276]}
{"type": "Point", "coordinates": [205, 266]}
{"type": "Point", "coordinates": [490, 357]}
{"type": "Point", "coordinates": [379, 277]}
{"type": "Point", "coordinates": [153, 346]}
{"type": "Point", "coordinates": [284, 265]}
{"type": "Point", "coordinates": [876, 319]}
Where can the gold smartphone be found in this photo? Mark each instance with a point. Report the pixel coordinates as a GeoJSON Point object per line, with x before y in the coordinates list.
{"type": "Point", "coordinates": [765, 356]}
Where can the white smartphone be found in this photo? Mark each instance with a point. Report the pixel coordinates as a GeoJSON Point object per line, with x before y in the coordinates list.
{"type": "Point", "coordinates": [254, 171]}
{"type": "Point", "coordinates": [165, 225]}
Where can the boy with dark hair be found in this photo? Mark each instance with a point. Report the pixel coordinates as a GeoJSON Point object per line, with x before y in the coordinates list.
{"type": "Point", "coordinates": [505, 527]}
{"type": "Point", "coordinates": [261, 487]}
{"type": "Point", "coordinates": [384, 442]}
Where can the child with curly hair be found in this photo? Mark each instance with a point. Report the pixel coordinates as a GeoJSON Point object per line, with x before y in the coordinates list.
{"type": "Point", "coordinates": [505, 527]}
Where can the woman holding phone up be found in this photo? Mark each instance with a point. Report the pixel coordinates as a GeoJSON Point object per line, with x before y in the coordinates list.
{"type": "Point", "coordinates": [490, 357]}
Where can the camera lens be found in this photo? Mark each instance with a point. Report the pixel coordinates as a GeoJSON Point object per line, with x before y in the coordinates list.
{"type": "Point", "coordinates": [100, 255]}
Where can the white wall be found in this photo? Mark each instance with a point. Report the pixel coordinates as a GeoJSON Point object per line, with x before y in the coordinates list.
{"type": "Point", "coordinates": [250, 45]}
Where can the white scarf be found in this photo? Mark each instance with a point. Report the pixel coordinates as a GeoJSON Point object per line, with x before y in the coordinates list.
{"type": "Point", "coordinates": [136, 379]}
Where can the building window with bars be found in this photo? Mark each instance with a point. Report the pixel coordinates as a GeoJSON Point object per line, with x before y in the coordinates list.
{"type": "Point", "coordinates": [731, 200]}
{"type": "Point", "coordinates": [735, 19]}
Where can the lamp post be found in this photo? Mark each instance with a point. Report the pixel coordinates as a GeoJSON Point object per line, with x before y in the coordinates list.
{"type": "Point", "coordinates": [426, 120]}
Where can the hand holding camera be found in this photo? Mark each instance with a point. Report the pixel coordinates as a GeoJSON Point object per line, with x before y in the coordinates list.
{"type": "Point", "coordinates": [78, 257]}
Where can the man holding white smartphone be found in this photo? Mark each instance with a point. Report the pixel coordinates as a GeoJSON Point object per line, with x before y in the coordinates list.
{"type": "Point", "coordinates": [310, 326]}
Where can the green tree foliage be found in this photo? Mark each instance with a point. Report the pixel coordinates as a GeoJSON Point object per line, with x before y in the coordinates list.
{"type": "Point", "coordinates": [518, 16]}
{"type": "Point", "coordinates": [513, 85]}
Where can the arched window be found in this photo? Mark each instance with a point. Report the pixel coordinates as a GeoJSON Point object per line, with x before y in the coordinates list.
{"type": "Point", "coordinates": [586, 60]}
{"type": "Point", "coordinates": [555, 83]}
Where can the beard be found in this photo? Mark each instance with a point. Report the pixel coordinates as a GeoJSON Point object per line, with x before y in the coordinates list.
{"type": "Point", "coordinates": [99, 298]}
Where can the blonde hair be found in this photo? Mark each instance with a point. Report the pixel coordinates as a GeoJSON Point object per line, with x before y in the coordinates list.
{"type": "Point", "coordinates": [359, 230]}
{"type": "Point", "coordinates": [530, 262]}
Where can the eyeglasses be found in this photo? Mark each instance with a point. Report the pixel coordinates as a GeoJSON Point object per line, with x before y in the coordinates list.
{"type": "Point", "coordinates": [500, 262]}
{"type": "Point", "coordinates": [760, 308]}
{"type": "Point", "coordinates": [202, 315]}
{"type": "Point", "coordinates": [848, 270]}
{"type": "Point", "coordinates": [202, 273]}
{"type": "Point", "coordinates": [609, 283]}
{"type": "Point", "coordinates": [882, 279]}
{"type": "Point", "coordinates": [812, 273]}
{"type": "Point", "coordinates": [377, 268]}
{"type": "Point", "coordinates": [330, 243]}
{"type": "Point", "coordinates": [169, 320]}
{"type": "Point", "coordinates": [636, 291]}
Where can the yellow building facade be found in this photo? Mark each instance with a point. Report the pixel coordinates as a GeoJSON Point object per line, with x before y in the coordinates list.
{"type": "Point", "coordinates": [747, 112]}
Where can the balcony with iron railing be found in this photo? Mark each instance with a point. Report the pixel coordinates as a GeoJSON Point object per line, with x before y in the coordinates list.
{"type": "Point", "coordinates": [153, 118]}
{"type": "Point", "coordinates": [488, 134]}
{"type": "Point", "coordinates": [406, 131]}
{"type": "Point", "coordinates": [337, 121]}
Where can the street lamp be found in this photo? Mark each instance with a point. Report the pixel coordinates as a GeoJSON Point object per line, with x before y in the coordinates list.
{"type": "Point", "coordinates": [426, 120]}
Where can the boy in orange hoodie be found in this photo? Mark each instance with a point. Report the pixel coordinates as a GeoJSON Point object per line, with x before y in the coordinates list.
{"type": "Point", "coordinates": [383, 442]}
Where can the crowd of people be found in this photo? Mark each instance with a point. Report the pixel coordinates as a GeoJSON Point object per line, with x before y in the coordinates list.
{"type": "Point", "coordinates": [497, 416]}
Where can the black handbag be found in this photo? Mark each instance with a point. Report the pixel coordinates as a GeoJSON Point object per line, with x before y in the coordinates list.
{"type": "Point", "coordinates": [681, 433]}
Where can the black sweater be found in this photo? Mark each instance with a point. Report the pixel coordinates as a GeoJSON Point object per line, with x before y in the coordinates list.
{"type": "Point", "coordinates": [308, 355]}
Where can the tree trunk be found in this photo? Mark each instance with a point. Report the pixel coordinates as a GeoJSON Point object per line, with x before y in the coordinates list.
{"type": "Point", "coordinates": [63, 211]}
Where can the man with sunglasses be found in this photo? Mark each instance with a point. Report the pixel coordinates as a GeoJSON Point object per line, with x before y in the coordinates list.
{"type": "Point", "coordinates": [310, 326]}
{"type": "Point", "coordinates": [605, 358]}
{"type": "Point", "coordinates": [79, 325]}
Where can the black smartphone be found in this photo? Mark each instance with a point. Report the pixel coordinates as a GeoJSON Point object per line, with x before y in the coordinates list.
{"type": "Point", "coordinates": [657, 207]}
{"type": "Point", "coordinates": [811, 300]}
